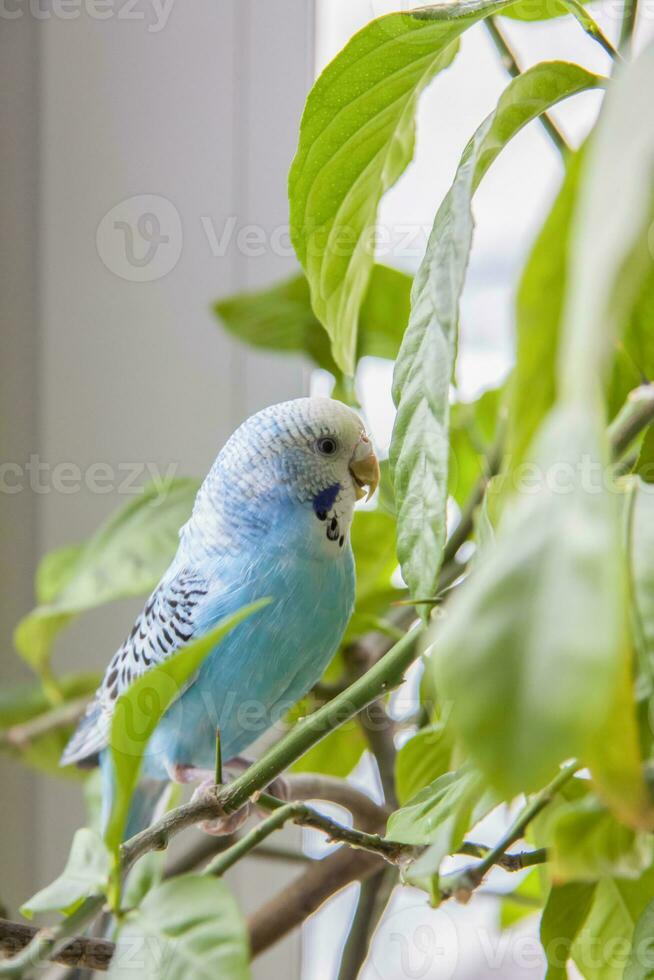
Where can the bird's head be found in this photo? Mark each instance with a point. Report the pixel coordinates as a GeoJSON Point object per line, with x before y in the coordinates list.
{"type": "Point", "coordinates": [309, 446]}
{"type": "Point", "coordinates": [310, 451]}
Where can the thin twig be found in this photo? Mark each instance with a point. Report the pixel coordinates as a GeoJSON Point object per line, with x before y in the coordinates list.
{"type": "Point", "coordinates": [512, 66]}
{"type": "Point", "coordinates": [591, 27]}
{"type": "Point", "coordinates": [627, 26]}
{"type": "Point", "coordinates": [461, 884]}
{"type": "Point", "coordinates": [634, 416]}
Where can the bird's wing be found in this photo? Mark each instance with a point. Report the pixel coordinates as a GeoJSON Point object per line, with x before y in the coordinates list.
{"type": "Point", "coordinates": [168, 621]}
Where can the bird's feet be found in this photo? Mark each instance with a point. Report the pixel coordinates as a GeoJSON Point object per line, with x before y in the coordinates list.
{"type": "Point", "coordinates": [206, 789]}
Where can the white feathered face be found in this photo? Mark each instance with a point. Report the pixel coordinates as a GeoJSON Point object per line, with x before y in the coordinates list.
{"type": "Point", "coordinates": [313, 452]}
{"type": "Point", "coordinates": [317, 449]}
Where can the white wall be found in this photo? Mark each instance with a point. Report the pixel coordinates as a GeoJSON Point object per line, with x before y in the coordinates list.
{"type": "Point", "coordinates": [204, 114]}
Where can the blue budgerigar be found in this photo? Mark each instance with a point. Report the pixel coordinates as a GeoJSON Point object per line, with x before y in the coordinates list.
{"type": "Point", "coordinates": [271, 519]}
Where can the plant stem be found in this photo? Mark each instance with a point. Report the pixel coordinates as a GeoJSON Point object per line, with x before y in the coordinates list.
{"type": "Point", "coordinates": [306, 816]}
{"type": "Point", "coordinates": [635, 415]}
{"type": "Point", "coordinates": [223, 862]}
{"type": "Point", "coordinates": [628, 25]}
{"type": "Point", "coordinates": [512, 66]}
{"type": "Point", "coordinates": [463, 883]}
{"type": "Point", "coordinates": [591, 27]}
{"type": "Point", "coordinates": [508, 862]}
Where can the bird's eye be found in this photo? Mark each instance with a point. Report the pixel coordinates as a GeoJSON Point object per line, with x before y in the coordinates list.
{"type": "Point", "coordinates": [327, 446]}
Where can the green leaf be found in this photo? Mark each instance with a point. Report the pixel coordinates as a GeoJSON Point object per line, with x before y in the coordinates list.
{"type": "Point", "coordinates": [539, 310]}
{"type": "Point", "coordinates": [473, 429]}
{"type": "Point", "coordinates": [524, 900]}
{"type": "Point", "coordinates": [440, 815]}
{"type": "Point", "coordinates": [423, 372]}
{"type": "Point", "coordinates": [187, 927]}
{"type": "Point", "coordinates": [640, 965]}
{"type": "Point", "coordinates": [516, 673]}
{"type": "Point", "coordinates": [86, 873]}
{"type": "Point", "coordinates": [138, 710]}
{"type": "Point", "coordinates": [356, 139]}
{"type": "Point", "coordinates": [423, 759]}
{"type": "Point", "coordinates": [585, 841]}
{"type": "Point", "coordinates": [335, 755]}
{"type": "Point", "coordinates": [125, 557]}
{"type": "Point", "coordinates": [373, 544]}
{"type": "Point", "coordinates": [55, 571]}
{"type": "Point", "coordinates": [439, 810]}
{"type": "Point", "coordinates": [565, 913]}
{"type": "Point", "coordinates": [602, 947]}
{"type": "Point", "coordinates": [281, 318]}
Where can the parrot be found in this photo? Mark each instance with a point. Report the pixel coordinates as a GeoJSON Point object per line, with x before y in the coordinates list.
{"type": "Point", "coordinates": [271, 520]}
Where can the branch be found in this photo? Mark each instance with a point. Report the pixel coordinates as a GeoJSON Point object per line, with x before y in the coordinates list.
{"type": "Point", "coordinates": [22, 735]}
{"type": "Point", "coordinates": [461, 884]}
{"type": "Point", "coordinates": [304, 896]}
{"type": "Point", "coordinates": [374, 895]}
{"type": "Point", "coordinates": [512, 66]}
{"type": "Point", "coordinates": [93, 954]}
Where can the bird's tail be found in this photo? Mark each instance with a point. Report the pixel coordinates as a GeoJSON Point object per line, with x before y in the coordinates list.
{"type": "Point", "coordinates": [148, 799]}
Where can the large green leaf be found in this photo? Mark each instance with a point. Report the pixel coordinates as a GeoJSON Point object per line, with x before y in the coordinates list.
{"type": "Point", "coordinates": [585, 842]}
{"type": "Point", "coordinates": [138, 710]}
{"type": "Point", "coordinates": [547, 609]}
{"type": "Point", "coordinates": [421, 385]}
{"type": "Point", "coordinates": [563, 916]}
{"type": "Point", "coordinates": [281, 318]}
{"type": "Point", "coordinates": [356, 138]}
{"type": "Point", "coordinates": [602, 947]}
{"type": "Point", "coordinates": [187, 927]}
{"type": "Point", "coordinates": [540, 615]}
{"type": "Point", "coordinates": [125, 557]}
{"type": "Point", "coordinates": [86, 873]}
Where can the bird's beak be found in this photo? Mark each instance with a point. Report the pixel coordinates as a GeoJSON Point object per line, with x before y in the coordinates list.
{"type": "Point", "coordinates": [364, 467]}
